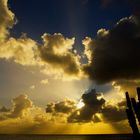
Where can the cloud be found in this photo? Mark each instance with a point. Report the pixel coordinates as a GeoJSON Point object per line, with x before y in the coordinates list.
{"type": "Point", "coordinates": [66, 106]}
{"type": "Point", "coordinates": [24, 108]}
{"type": "Point", "coordinates": [91, 107]}
{"type": "Point", "coordinates": [96, 109]}
{"type": "Point", "coordinates": [127, 85]}
{"type": "Point", "coordinates": [22, 50]}
{"type": "Point", "coordinates": [107, 61]}
{"type": "Point", "coordinates": [6, 19]}
{"type": "Point", "coordinates": [54, 56]}
{"type": "Point", "coordinates": [88, 44]}
{"type": "Point", "coordinates": [4, 109]}
{"type": "Point", "coordinates": [45, 81]}
{"type": "Point", "coordinates": [20, 105]}
{"type": "Point", "coordinates": [25, 117]}
{"type": "Point", "coordinates": [57, 52]}
{"type": "Point", "coordinates": [32, 87]}
{"type": "Point", "coordinates": [115, 52]}
{"type": "Point", "coordinates": [114, 113]}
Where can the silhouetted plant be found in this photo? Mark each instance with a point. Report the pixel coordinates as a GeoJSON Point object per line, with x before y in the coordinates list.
{"type": "Point", "coordinates": [133, 111]}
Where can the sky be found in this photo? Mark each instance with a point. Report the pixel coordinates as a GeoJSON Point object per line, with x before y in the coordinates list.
{"type": "Point", "coordinates": [54, 53]}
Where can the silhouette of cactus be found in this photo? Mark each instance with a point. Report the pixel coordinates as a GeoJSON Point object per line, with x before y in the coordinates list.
{"type": "Point", "coordinates": [133, 111]}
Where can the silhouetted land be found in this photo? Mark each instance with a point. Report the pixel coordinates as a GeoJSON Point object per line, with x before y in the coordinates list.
{"type": "Point", "coordinates": [68, 137]}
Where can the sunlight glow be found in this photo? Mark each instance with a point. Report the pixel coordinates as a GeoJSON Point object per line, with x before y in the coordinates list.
{"type": "Point", "coordinates": [80, 104]}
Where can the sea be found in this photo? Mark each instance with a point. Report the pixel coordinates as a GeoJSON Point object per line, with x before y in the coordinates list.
{"type": "Point", "coordinates": [68, 137]}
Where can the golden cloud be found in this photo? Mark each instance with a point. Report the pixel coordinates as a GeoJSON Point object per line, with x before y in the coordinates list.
{"type": "Point", "coordinates": [55, 55]}
{"type": "Point", "coordinates": [58, 54]}
{"type": "Point", "coordinates": [25, 117]}
{"type": "Point", "coordinates": [23, 50]}
{"type": "Point", "coordinates": [6, 19]}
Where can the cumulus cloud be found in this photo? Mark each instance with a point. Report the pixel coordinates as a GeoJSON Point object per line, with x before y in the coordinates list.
{"type": "Point", "coordinates": [6, 19]}
{"type": "Point", "coordinates": [23, 108]}
{"type": "Point", "coordinates": [28, 116]}
{"type": "Point", "coordinates": [115, 52]}
{"type": "Point", "coordinates": [45, 81]}
{"type": "Point", "coordinates": [114, 113]}
{"type": "Point", "coordinates": [4, 109]}
{"type": "Point", "coordinates": [94, 109]}
{"type": "Point", "coordinates": [107, 53]}
{"type": "Point", "coordinates": [97, 109]}
{"type": "Point", "coordinates": [22, 50]}
{"type": "Point", "coordinates": [20, 105]}
{"type": "Point", "coordinates": [25, 117]}
{"type": "Point", "coordinates": [113, 55]}
{"type": "Point", "coordinates": [88, 45]}
{"type": "Point", "coordinates": [127, 85]}
{"type": "Point", "coordinates": [91, 105]}
{"type": "Point", "coordinates": [57, 52]}
{"type": "Point", "coordinates": [66, 106]}
{"type": "Point", "coordinates": [107, 61]}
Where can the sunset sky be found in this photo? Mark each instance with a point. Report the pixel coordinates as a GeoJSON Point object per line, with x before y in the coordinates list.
{"type": "Point", "coordinates": [54, 53]}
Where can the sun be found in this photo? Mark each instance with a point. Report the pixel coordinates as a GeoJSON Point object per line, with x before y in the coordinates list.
{"type": "Point", "coordinates": [80, 104]}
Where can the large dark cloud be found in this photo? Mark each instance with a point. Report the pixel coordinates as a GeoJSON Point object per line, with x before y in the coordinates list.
{"type": "Point", "coordinates": [116, 52]}
{"type": "Point", "coordinates": [95, 109]}
{"type": "Point", "coordinates": [95, 104]}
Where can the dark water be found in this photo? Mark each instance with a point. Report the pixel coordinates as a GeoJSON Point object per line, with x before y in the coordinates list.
{"type": "Point", "coordinates": [68, 137]}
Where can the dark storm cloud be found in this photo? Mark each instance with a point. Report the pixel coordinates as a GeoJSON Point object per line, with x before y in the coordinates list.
{"type": "Point", "coordinates": [116, 52]}
{"type": "Point", "coordinates": [91, 107]}
{"type": "Point", "coordinates": [94, 104]}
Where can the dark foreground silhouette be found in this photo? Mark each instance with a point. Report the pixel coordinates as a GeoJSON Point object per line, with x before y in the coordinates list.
{"type": "Point", "coordinates": [133, 112]}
